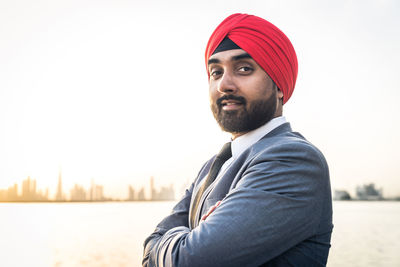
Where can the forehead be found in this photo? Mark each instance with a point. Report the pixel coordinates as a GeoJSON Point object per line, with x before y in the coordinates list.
{"type": "Point", "coordinates": [228, 56]}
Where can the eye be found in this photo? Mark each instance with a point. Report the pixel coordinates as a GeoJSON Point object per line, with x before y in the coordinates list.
{"type": "Point", "coordinates": [215, 73]}
{"type": "Point", "coordinates": [245, 69]}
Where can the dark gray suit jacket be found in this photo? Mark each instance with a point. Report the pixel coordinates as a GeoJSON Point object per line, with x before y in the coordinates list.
{"type": "Point", "coordinates": [276, 210]}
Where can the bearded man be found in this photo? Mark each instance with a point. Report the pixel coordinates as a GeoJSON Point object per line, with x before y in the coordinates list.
{"type": "Point", "coordinates": [265, 199]}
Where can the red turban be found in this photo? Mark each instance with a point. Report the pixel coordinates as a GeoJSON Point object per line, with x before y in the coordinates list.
{"type": "Point", "coordinates": [265, 43]}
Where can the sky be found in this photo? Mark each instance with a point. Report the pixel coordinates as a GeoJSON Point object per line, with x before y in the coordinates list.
{"type": "Point", "coordinates": [116, 91]}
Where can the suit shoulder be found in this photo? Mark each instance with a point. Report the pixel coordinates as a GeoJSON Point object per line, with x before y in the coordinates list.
{"type": "Point", "coordinates": [288, 143]}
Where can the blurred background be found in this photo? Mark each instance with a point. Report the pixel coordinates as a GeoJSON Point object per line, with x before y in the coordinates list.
{"type": "Point", "coordinates": [108, 101]}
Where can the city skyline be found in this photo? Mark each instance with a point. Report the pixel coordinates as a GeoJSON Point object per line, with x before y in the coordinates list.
{"type": "Point", "coordinates": [78, 193]}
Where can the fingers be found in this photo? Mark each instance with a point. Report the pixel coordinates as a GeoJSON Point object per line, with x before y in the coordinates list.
{"type": "Point", "coordinates": [210, 210]}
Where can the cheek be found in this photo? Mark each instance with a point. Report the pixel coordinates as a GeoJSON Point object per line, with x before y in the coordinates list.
{"type": "Point", "coordinates": [255, 89]}
{"type": "Point", "coordinates": [212, 92]}
{"type": "Point", "coordinates": [264, 88]}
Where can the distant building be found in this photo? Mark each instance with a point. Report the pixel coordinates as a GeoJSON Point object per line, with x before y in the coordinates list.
{"type": "Point", "coordinates": [43, 196]}
{"type": "Point", "coordinates": [96, 192]}
{"type": "Point", "coordinates": [3, 195]}
{"type": "Point", "coordinates": [131, 193]}
{"type": "Point", "coordinates": [10, 194]}
{"type": "Point", "coordinates": [78, 193]}
{"type": "Point", "coordinates": [368, 192]}
{"type": "Point", "coordinates": [341, 195]}
{"type": "Point", "coordinates": [59, 195]}
{"type": "Point", "coordinates": [153, 192]}
{"type": "Point", "coordinates": [141, 196]}
{"type": "Point", "coordinates": [28, 190]}
{"type": "Point", "coordinates": [165, 193]}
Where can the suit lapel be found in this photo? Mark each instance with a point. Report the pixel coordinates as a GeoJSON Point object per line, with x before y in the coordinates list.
{"type": "Point", "coordinates": [224, 183]}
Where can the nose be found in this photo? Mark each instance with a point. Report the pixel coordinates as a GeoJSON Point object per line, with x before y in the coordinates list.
{"type": "Point", "coordinates": [226, 84]}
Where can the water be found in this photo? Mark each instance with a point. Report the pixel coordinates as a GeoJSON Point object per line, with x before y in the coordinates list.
{"type": "Point", "coordinates": [365, 234]}
{"type": "Point", "coordinates": [112, 234]}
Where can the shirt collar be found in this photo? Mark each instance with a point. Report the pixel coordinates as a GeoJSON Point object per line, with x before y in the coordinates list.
{"type": "Point", "coordinates": [243, 142]}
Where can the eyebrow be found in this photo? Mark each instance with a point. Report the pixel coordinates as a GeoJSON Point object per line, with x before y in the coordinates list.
{"type": "Point", "coordinates": [241, 56]}
{"type": "Point", "coordinates": [234, 58]}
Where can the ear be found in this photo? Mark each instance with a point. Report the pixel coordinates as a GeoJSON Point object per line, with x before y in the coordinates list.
{"type": "Point", "coordinates": [279, 102]}
{"type": "Point", "coordinates": [279, 94]}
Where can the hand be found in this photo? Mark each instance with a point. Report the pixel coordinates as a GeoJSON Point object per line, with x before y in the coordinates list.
{"type": "Point", "coordinates": [210, 210]}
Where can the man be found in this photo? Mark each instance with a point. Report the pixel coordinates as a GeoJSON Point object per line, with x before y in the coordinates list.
{"type": "Point", "coordinates": [265, 199]}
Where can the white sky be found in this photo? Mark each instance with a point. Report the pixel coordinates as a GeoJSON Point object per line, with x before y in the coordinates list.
{"type": "Point", "coordinates": [117, 90]}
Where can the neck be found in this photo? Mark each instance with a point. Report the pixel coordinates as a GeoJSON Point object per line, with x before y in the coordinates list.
{"type": "Point", "coordinates": [237, 134]}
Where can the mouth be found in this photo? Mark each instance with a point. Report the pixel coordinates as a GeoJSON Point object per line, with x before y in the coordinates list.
{"type": "Point", "coordinates": [230, 102]}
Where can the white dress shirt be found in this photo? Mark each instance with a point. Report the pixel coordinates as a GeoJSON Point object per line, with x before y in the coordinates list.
{"type": "Point", "coordinates": [243, 142]}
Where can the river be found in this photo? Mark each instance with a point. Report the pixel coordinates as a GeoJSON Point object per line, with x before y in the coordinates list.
{"type": "Point", "coordinates": [112, 233]}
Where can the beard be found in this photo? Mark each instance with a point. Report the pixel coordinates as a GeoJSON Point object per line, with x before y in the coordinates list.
{"type": "Point", "coordinates": [250, 117]}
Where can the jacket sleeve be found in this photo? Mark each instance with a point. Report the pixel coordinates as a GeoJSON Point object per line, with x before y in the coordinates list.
{"type": "Point", "coordinates": [276, 204]}
{"type": "Point", "coordinates": [178, 217]}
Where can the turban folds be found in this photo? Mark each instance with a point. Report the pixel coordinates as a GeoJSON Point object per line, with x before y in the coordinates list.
{"type": "Point", "coordinates": [265, 43]}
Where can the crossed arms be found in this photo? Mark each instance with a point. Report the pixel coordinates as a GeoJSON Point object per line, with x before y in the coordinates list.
{"type": "Point", "coordinates": [277, 203]}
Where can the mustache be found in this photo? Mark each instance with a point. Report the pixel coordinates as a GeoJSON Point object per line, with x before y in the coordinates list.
{"type": "Point", "coordinates": [240, 99]}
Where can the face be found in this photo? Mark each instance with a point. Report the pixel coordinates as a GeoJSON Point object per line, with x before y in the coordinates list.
{"type": "Point", "coordinates": [242, 95]}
